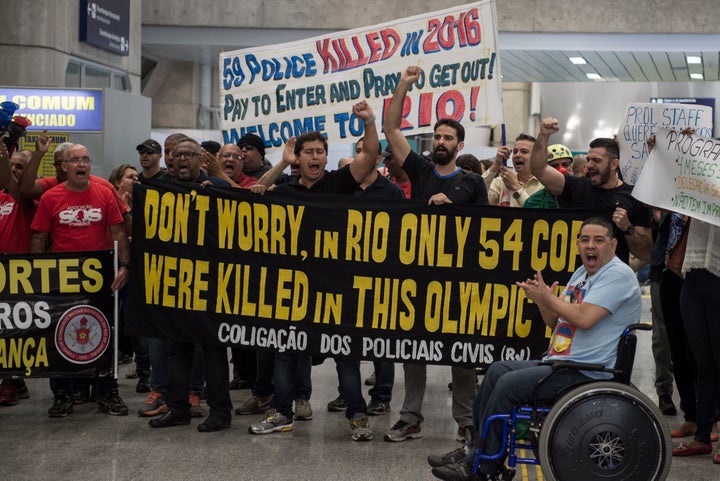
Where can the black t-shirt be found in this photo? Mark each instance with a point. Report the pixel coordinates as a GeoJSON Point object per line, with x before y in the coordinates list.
{"type": "Point", "coordinates": [380, 189]}
{"type": "Point", "coordinates": [339, 181]}
{"type": "Point", "coordinates": [579, 192]}
{"type": "Point", "coordinates": [461, 186]}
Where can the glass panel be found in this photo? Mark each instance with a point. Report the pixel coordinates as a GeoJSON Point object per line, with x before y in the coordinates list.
{"type": "Point", "coordinates": [72, 75]}
{"type": "Point", "coordinates": [95, 78]}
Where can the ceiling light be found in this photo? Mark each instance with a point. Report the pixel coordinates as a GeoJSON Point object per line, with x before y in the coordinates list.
{"type": "Point", "coordinates": [696, 76]}
{"type": "Point", "coordinates": [593, 76]}
{"type": "Point", "coordinates": [692, 59]}
{"type": "Point", "coordinates": [580, 60]}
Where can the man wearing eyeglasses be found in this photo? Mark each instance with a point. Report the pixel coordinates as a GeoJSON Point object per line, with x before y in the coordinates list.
{"type": "Point", "coordinates": [253, 152]}
{"type": "Point", "coordinates": [231, 162]}
{"type": "Point", "coordinates": [187, 156]}
{"type": "Point", "coordinates": [76, 215]}
{"type": "Point", "coordinates": [150, 153]}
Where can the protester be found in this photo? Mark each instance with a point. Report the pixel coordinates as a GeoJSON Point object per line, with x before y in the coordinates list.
{"type": "Point", "coordinates": [186, 165]}
{"type": "Point", "coordinates": [439, 181]}
{"type": "Point", "coordinates": [601, 299]}
{"type": "Point", "coordinates": [81, 234]}
{"type": "Point", "coordinates": [310, 150]}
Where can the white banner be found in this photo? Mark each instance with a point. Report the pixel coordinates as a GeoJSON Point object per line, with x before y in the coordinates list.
{"type": "Point", "coordinates": [642, 120]}
{"type": "Point", "coordinates": [280, 91]}
{"type": "Point", "coordinates": [682, 174]}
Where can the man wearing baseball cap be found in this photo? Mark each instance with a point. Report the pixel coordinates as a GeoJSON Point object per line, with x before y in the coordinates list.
{"type": "Point", "coordinates": [150, 152]}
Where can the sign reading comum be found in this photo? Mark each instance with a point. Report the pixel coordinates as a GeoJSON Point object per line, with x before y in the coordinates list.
{"type": "Point", "coordinates": [280, 91]}
{"type": "Point", "coordinates": [334, 276]}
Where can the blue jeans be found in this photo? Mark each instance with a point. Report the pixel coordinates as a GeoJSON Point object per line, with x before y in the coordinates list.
{"type": "Point", "coordinates": [507, 384]}
{"type": "Point", "coordinates": [350, 386]}
{"type": "Point", "coordinates": [700, 306]}
{"type": "Point", "coordinates": [384, 381]}
{"type": "Point", "coordinates": [292, 381]}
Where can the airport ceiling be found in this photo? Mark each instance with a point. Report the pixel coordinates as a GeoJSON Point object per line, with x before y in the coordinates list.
{"type": "Point", "coordinates": [524, 57]}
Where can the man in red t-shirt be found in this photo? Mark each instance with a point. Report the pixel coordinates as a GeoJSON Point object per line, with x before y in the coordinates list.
{"type": "Point", "coordinates": [76, 215]}
{"type": "Point", "coordinates": [16, 214]}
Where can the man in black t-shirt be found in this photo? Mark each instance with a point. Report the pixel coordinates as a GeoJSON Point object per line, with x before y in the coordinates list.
{"type": "Point", "coordinates": [601, 186]}
{"type": "Point", "coordinates": [439, 181]}
{"type": "Point", "coordinates": [310, 151]}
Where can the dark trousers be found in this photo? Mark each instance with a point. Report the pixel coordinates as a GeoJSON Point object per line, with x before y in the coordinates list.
{"type": "Point", "coordinates": [700, 304]}
{"type": "Point", "coordinates": [684, 367]}
{"type": "Point", "coordinates": [216, 377]}
{"type": "Point", "coordinates": [350, 386]}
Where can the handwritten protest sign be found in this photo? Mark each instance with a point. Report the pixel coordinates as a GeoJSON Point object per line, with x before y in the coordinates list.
{"type": "Point", "coordinates": [280, 91]}
{"type": "Point", "coordinates": [682, 174]}
{"type": "Point", "coordinates": [642, 120]}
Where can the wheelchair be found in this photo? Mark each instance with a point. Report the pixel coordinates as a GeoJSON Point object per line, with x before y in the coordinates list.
{"type": "Point", "coordinates": [600, 430]}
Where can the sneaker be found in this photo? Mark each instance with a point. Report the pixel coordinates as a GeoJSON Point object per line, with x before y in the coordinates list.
{"type": "Point", "coordinates": [666, 405]}
{"type": "Point", "coordinates": [337, 404]}
{"type": "Point", "coordinates": [8, 393]}
{"type": "Point", "coordinates": [377, 408]}
{"type": "Point", "coordinates": [460, 471]}
{"type": "Point", "coordinates": [113, 404]}
{"type": "Point", "coordinates": [274, 421]}
{"type": "Point", "coordinates": [370, 381]}
{"type": "Point", "coordinates": [464, 434]}
{"type": "Point", "coordinates": [303, 410]}
{"type": "Point", "coordinates": [402, 430]}
{"type": "Point", "coordinates": [196, 410]}
{"type": "Point", "coordinates": [154, 405]}
{"type": "Point", "coordinates": [452, 457]}
{"type": "Point", "coordinates": [131, 374]}
{"type": "Point", "coordinates": [62, 405]}
{"type": "Point", "coordinates": [360, 428]}
{"type": "Point", "coordinates": [254, 405]}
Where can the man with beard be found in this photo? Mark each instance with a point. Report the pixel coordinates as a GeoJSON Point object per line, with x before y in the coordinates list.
{"type": "Point", "coordinates": [440, 181]}
{"type": "Point", "coordinates": [601, 186]}
{"type": "Point", "coordinates": [508, 187]}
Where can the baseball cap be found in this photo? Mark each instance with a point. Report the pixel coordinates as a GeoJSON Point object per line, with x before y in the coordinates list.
{"type": "Point", "coordinates": [150, 145]}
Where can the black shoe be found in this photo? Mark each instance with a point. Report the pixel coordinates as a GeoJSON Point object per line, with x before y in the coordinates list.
{"type": "Point", "coordinates": [452, 457]}
{"type": "Point", "coordinates": [142, 385]}
{"type": "Point", "coordinates": [460, 471]}
{"type": "Point", "coordinates": [214, 422]}
{"type": "Point", "coordinates": [666, 404]}
{"type": "Point", "coordinates": [62, 405]}
{"type": "Point", "coordinates": [238, 383]}
{"type": "Point", "coordinates": [171, 418]}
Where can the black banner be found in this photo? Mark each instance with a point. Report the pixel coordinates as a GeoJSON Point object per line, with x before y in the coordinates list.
{"type": "Point", "coordinates": [56, 313]}
{"type": "Point", "coordinates": [337, 276]}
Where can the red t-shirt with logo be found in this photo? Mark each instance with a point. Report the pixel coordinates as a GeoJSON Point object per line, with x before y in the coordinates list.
{"type": "Point", "coordinates": [77, 221]}
{"type": "Point", "coordinates": [15, 219]}
{"type": "Point", "coordinates": [48, 183]}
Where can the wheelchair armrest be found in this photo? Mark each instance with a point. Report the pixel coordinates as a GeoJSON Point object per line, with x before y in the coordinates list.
{"type": "Point", "coordinates": [578, 366]}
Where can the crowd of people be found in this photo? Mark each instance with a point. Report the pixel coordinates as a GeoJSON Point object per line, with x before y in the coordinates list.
{"type": "Point", "coordinates": [601, 298]}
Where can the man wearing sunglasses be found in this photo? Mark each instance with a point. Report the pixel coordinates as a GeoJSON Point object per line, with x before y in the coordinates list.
{"type": "Point", "coordinates": [150, 152]}
{"type": "Point", "coordinates": [253, 153]}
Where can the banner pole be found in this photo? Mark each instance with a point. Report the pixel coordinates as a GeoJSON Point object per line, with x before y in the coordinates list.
{"type": "Point", "coordinates": [116, 302]}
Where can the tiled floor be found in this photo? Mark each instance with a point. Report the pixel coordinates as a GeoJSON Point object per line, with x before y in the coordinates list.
{"type": "Point", "coordinates": [89, 445]}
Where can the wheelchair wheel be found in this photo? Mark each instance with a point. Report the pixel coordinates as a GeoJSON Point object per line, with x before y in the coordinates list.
{"type": "Point", "coordinates": [605, 431]}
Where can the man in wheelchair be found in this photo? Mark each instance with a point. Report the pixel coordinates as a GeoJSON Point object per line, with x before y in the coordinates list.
{"type": "Point", "coordinates": [601, 299]}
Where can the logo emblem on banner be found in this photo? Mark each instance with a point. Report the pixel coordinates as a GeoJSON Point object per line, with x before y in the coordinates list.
{"type": "Point", "coordinates": [82, 335]}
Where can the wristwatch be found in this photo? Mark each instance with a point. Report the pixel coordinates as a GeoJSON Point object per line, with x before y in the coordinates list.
{"type": "Point", "coordinates": [516, 195]}
{"type": "Point", "coordinates": [629, 230]}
